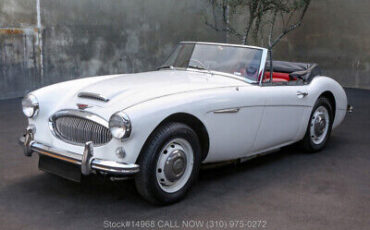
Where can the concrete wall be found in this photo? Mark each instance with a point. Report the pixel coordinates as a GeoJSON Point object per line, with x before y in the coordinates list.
{"type": "Point", "coordinates": [335, 34]}
{"type": "Point", "coordinates": [18, 49]}
{"type": "Point", "coordinates": [80, 38]}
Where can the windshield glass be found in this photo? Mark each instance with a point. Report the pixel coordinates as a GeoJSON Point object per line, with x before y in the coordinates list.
{"type": "Point", "coordinates": [239, 61]}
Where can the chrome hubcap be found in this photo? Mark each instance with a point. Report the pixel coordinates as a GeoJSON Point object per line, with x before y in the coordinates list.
{"type": "Point", "coordinates": [174, 165]}
{"type": "Point", "coordinates": [319, 125]}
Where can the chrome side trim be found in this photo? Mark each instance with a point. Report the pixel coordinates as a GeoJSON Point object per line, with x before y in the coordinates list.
{"type": "Point", "coordinates": [237, 109]}
{"type": "Point", "coordinates": [106, 166]}
{"type": "Point", "coordinates": [95, 96]}
{"type": "Point", "coordinates": [231, 110]}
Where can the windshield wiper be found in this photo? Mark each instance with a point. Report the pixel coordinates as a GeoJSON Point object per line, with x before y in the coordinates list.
{"type": "Point", "coordinates": [200, 68]}
{"type": "Point", "coordinates": [196, 67]}
{"type": "Point", "coordinates": [165, 67]}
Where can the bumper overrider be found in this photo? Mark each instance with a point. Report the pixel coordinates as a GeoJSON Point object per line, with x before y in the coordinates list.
{"type": "Point", "coordinates": [86, 160]}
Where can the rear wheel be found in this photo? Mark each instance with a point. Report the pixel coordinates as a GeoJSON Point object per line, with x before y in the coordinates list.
{"type": "Point", "coordinates": [319, 126]}
{"type": "Point", "coordinates": [169, 164]}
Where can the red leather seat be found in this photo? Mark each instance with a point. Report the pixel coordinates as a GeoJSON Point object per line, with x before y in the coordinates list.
{"type": "Point", "coordinates": [277, 77]}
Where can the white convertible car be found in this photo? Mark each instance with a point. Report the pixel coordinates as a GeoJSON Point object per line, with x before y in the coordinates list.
{"type": "Point", "coordinates": [208, 103]}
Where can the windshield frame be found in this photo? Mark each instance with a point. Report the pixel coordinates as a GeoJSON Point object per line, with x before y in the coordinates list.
{"type": "Point", "coordinates": [261, 66]}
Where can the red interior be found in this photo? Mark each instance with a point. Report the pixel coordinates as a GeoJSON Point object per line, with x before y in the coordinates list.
{"type": "Point", "coordinates": [277, 77]}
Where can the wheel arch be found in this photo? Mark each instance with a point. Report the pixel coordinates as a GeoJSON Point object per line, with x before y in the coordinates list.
{"type": "Point", "coordinates": [193, 122]}
{"type": "Point", "coordinates": [330, 96]}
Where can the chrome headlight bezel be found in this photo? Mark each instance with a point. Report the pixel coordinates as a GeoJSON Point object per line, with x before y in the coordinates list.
{"type": "Point", "coordinates": [30, 106]}
{"type": "Point", "coordinates": [120, 125]}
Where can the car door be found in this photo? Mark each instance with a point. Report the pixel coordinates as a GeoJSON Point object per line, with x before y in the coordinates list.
{"type": "Point", "coordinates": [233, 123]}
{"type": "Point", "coordinates": [283, 117]}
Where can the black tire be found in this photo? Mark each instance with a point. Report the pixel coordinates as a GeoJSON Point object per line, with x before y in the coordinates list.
{"type": "Point", "coordinates": [146, 181]}
{"type": "Point", "coordinates": [307, 143]}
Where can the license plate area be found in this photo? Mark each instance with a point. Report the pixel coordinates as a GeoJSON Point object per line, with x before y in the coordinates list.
{"type": "Point", "coordinates": [60, 168]}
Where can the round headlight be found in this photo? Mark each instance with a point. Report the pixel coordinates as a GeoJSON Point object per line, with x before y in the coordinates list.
{"type": "Point", "coordinates": [120, 125]}
{"type": "Point", "coordinates": [30, 106]}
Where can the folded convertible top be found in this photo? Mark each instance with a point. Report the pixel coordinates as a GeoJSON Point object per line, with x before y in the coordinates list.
{"type": "Point", "coordinates": [304, 71]}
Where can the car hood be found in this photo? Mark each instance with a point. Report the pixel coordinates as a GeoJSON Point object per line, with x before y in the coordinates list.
{"type": "Point", "coordinates": [130, 89]}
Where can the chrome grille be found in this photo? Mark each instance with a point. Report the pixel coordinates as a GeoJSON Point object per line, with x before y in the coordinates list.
{"type": "Point", "coordinates": [80, 130]}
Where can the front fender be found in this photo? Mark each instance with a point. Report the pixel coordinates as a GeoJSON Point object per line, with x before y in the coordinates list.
{"type": "Point", "coordinates": [145, 117]}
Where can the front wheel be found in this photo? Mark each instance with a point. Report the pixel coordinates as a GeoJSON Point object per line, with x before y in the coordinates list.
{"type": "Point", "coordinates": [319, 126]}
{"type": "Point", "coordinates": [169, 164]}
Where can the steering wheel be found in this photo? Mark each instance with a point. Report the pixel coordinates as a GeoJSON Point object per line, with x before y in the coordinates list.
{"type": "Point", "coordinates": [251, 72]}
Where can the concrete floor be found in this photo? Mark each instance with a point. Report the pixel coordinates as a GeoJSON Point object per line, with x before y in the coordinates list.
{"type": "Point", "coordinates": [287, 189]}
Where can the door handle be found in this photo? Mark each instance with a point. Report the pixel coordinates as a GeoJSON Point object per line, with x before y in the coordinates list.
{"type": "Point", "coordinates": [301, 94]}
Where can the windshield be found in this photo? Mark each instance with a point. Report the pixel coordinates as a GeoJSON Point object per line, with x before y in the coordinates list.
{"type": "Point", "coordinates": [240, 61]}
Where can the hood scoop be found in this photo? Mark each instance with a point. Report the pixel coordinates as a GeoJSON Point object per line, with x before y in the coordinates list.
{"type": "Point", "coordinates": [94, 96]}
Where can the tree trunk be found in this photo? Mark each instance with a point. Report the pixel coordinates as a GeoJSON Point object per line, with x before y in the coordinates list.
{"type": "Point", "coordinates": [227, 22]}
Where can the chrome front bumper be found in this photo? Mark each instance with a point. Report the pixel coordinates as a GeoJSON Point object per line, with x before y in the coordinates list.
{"type": "Point", "coordinates": [87, 161]}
